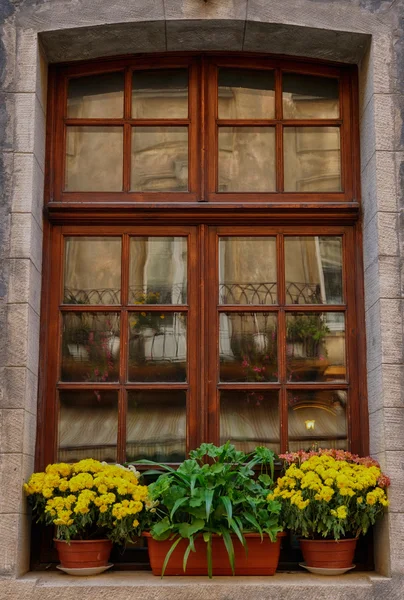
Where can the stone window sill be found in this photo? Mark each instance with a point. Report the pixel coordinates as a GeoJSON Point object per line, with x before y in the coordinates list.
{"type": "Point", "coordinates": [143, 585]}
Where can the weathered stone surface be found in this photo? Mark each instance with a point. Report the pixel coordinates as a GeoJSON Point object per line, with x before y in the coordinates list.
{"type": "Point", "coordinates": [214, 35]}
{"type": "Point", "coordinates": [28, 186]}
{"type": "Point", "coordinates": [11, 430]}
{"type": "Point", "coordinates": [376, 432]}
{"type": "Point", "coordinates": [304, 41]}
{"type": "Point", "coordinates": [376, 69]}
{"type": "Point", "coordinates": [396, 522]}
{"type": "Point", "coordinates": [198, 9]}
{"type": "Point", "coordinates": [379, 190]}
{"type": "Point", "coordinates": [392, 463]}
{"type": "Point", "coordinates": [20, 388]}
{"type": "Point", "coordinates": [11, 494]}
{"type": "Point", "coordinates": [91, 42]}
{"type": "Point", "coordinates": [24, 283]}
{"type": "Point", "coordinates": [26, 238]}
{"type": "Point", "coordinates": [8, 546]}
{"type": "Point", "coordinates": [385, 387]}
{"type": "Point", "coordinates": [391, 331]}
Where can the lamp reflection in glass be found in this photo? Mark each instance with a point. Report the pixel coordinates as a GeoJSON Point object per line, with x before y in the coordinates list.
{"type": "Point", "coordinates": [310, 424]}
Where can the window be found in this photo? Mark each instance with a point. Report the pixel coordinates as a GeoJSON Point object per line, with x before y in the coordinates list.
{"type": "Point", "coordinates": [204, 264]}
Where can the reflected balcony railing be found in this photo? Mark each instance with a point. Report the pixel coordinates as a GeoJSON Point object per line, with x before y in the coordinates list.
{"type": "Point", "coordinates": [229, 293]}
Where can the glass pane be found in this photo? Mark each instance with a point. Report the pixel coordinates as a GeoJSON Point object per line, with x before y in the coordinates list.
{"type": "Point", "coordinates": [94, 158]}
{"type": "Point", "coordinates": [88, 425]}
{"type": "Point", "coordinates": [96, 97]}
{"type": "Point", "coordinates": [157, 346]}
{"type": "Point", "coordinates": [158, 270]}
{"type": "Point", "coordinates": [156, 426]}
{"type": "Point", "coordinates": [159, 159]}
{"type": "Point", "coordinates": [312, 159]}
{"type": "Point", "coordinates": [90, 347]}
{"type": "Point", "coordinates": [309, 97]}
{"type": "Point", "coordinates": [317, 419]}
{"type": "Point", "coordinates": [248, 347]}
{"type": "Point", "coordinates": [250, 419]}
{"type": "Point", "coordinates": [246, 94]}
{"type": "Point", "coordinates": [92, 273]}
{"type": "Point", "coordinates": [247, 270]}
{"type": "Point", "coordinates": [160, 94]}
{"type": "Point", "coordinates": [246, 159]}
{"type": "Point", "coordinates": [313, 268]}
{"type": "Point", "coordinates": [315, 346]}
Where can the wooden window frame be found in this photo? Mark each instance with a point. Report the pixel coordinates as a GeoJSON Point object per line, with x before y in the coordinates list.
{"type": "Point", "coordinates": [202, 209]}
{"type": "Point", "coordinates": [203, 124]}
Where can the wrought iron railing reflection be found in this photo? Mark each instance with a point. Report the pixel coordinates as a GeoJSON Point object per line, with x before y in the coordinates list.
{"type": "Point", "coordinates": [229, 293]}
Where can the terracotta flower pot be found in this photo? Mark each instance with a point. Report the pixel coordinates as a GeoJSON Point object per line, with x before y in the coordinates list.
{"type": "Point", "coordinates": [329, 554]}
{"type": "Point", "coordinates": [83, 554]}
{"type": "Point", "coordinates": [262, 557]}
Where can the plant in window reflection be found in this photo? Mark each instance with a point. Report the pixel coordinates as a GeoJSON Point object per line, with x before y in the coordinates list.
{"type": "Point", "coordinates": [92, 341]}
{"type": "Point", "coordinates": [308, 330]}
{"type": "Point", "coordinates": [257, 353]}
{"type": "Point", "coordinates": [88, 500]}
{"type": "Point", "coordinates": [143, 320]}
{"type": "Point", "coordinates": [221, 497]}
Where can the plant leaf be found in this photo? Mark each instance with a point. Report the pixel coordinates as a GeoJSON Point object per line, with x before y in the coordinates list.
{"type": "Point", "coordinates": [186, 530]}
{"type": "Point", "coordinates": [169, 553]}
{"type": "Point", "coordinates": [229, 546]}
{"type": "Point", "coordinates": [177, 505]}
{"type": "Point", "coordinates": [228, 506]}
{"type": "Point", "coordinates": [208, 502]}
{"type": "Point", "coordinates": [191, 546]}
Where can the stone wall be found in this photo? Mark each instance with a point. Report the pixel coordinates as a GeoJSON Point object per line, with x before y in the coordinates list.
{"type": "Point", "coordinates": [34, 32]}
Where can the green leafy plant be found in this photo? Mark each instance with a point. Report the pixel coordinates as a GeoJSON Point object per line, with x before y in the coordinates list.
{"type": "Point", "coordinates": [216, 491]}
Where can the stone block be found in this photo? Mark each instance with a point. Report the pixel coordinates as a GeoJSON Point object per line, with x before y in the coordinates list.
{"type": "Point", "coordinates": [379, 191]}
{"type": "Point", "coordinates": [27, 63]}
{"type": "Point", "coordinates": [42, 79]}
{"type": "Point", "coordinates": [7, 117]}
{"type": "Point", "coordinates": [30, 126]}
{"type": "Point", "coordinates": [391, 331]}
{"type": "Point", "coordinates": [11, 492]}
{"type": "Point", "coordinates": [382, 280]}
{"type": "Point", "coordinates": [296, 40]}
{"type": "Point", "coordinates": [375, 389]}
{"type": "Point", "coordinates": [372, 284]}
{"type": "Point", "coordinates": [28, 186]}
{"type": "Point", "coordinates": [29, 434]}
{"type": "Point", "coordinates": [377, 126]}
{"type": "Point", "coordinates": [376, 68]}
{"type": "Point", "coordinates": [24, 283]}
{"type": "Point", "coordinates": [321, 14]}
{"type": "Point", "coordinates": [26, 238]}
{"type": "Point", "coordinates": [106, 40]}
{"type": "Point", "coordinates": [212, 35]}
{"type": "Point", "coordinates": [396, 523]}
{"type": "Point", "coordinates": [9, 543]}
{"type": "Point", "coordinates": [214, 9]}
{"type": "Point", "coordinates": [392, 463]}
{"type": "Point", "coordinates": [20, 389]}
{"type": "Point", "coordinates": [8, 38]}
{"type": "Point", "coordinates": [17, 329]}
{"type": "Point", "coordinates": [382, 546]}
{"type": "Point", "coordinates": [394, 428]}
{"type": "Point", "coordinates": [385, 387]}
{"type": "Point", "coordinates": [33, 341]}
{"type": "Point", "coordinates": [377, 432]}
{"type": "Point", "coordinates": [62, 14]}
{"type": "Point", "coordinates": [11, 430]}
